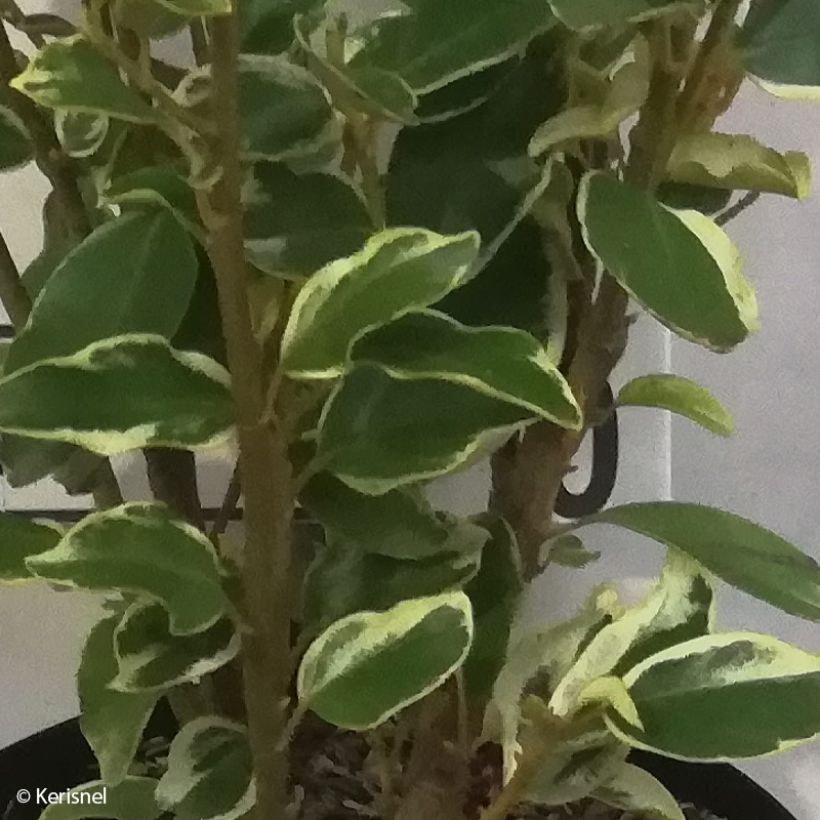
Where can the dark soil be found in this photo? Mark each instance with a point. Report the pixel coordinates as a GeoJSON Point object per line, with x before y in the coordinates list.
{"type": "Point", "coordinates": [334, 780]}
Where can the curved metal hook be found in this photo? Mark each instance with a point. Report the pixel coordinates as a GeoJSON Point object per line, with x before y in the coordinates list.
{"type": "Point", "coordinates": [604, 468]}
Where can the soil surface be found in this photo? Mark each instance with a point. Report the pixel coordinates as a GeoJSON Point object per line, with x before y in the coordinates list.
{"type": "Point", "coordinates": [334, 780]}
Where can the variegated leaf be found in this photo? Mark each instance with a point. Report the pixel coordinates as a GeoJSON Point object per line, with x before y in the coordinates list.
{"type": "Point", "coordinates": [678, 395]}
{"type": "Point", "coordinates": [635, 791]}
{"type": "Point", "coordinates": [210, 772]}
{"type": "Point", "coordinates": [398, 270]}
{"type": "Point", "coordinates": [297, 223]}
{"type": "Point", "coordinates": [81, 133]}
{"type": "Point", "coordinates": [141, 548]}
{"type": "Point", "coordinates": [343, 580]}
{"type": "Point", "coordinates": [570, 769]}
{"type": "Point", "coordinates": [778, 46]}
{"type": "Point", "coordinates": [743, 554]}
{"type": "Point", "coordinates": [535, 664]}
{"type": "Point", "coordinates": [678, 264]}
{"type": "Point", "coordinates": [501, 363]}
{"type": "Point", "coordinates": [98, 291]}
{"type": "Point", "coordinates": [111, 721]}
{"type": "Point", "coordinates": [374, 433]}
{"type": "Point", "coordinates": [738, 161]}
{"type": "Point", "coordinates": [430, 48]}
{"type": "Point", "coordinates": [624, 96]}
{"type": "Point", "coordinates": [737, 695]}
{"type": "Point", "coordinates": [372, 90]}
{"type": "Point", "coordinates": [69, 74]}
{"type": "Point", "coordinates": [400, 524]}
{"type": "Point", "coordinates": [120, 394]}
{"type": "Point", "coordinates": [150, 187]}
{"type": "Point", "coordinates": [150, 657]}
{"type": "Point", "coordinates": [133, 799]}
{"type": "Point", "coordinates": [679, 608]}
{"type": "Point", "coordinates": [370, 666]}
{"type": "Point", "coordinates": [285, 112]}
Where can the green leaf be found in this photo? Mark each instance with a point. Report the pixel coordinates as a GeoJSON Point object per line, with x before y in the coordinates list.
{"type": "Point", "coordinates": [374, 91]}
{"type": "Point", "coordinates": [399, 524]}
{"type": "Point", "coordinates": [210, 772]}
{"type": "Point", "coordinates": [737, 695]}
{"type": "Point", "coordinates": [201, 329]}
{"type": "Point", "coordinates": [15, 143]}
{"type": "Point", "coordinates": [112, 722]}
{"type": "Point", "coordinates": [145, 394]}
{"type": "Point", "coordinates": [501, 363]}
{"type": "Point", "coordinates": [151, 657]}
{"type": "Point", "coordinates": [743, 554]}
{"type": "Point", "coordinates": [20, 539]}
{"type": "Point", "coordinates": [70, 74]}
{"type": "Point", "coordinates": [398, 270]}
{"type": "Point", "coordinates": [98, 291]}
{"type": "Point", "coordinates": [586, 14]}
{"type": "Point", "coordinates": [285, 112]}
{"type": "Point", "coordinates": [679, 608]}
{"type": "Point", "coordinates": [297, 223]}
{"type": "Point", "coordinates": [624, 96]}
{"type": "Point", "coordinates": [434, 45]}
{"type": "Point", "coordinates": [80, 133]}
{"type": "Point", "coordinates": [133, 799]}
{"type": "Point", "coordinates": [495, 594]}
{"type": "Point", "coordinates": [156, 186]}
{"type": "Point", "coordinates": [141, 548]}
{"type": "Point", "coordinates": [454, 175]}
{"type": "Point", "coordinates": [375, 431]}
{"type": "Point", "coordinates": [678, 395]}
{"type": "Point", "coordinates": [366, 668]}
{"type": "Point", "coordinates": [679, 265]}
{"type": "Point", "coordinates": [779, 46]}
{"type": "Point", "coordinates": [638, 792]}
{"type": "Point", "coordinates": [738, 161]}
{"type": "Point", "coordinates": [268, 25]}
{"type": "Point", "coordinates": [342, 580]}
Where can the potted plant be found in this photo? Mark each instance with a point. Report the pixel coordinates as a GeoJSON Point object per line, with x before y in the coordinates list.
{"type": "Point", "coordinates": [372, 255]}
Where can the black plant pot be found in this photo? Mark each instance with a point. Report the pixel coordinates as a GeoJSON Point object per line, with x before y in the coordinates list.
{"type": "Point", "coordinates": [59, 758]}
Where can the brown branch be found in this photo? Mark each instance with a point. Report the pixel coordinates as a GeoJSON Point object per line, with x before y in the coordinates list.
{"type": "Point", "coordinates": [264, 467]}
{"type": "Point", "coordinates": [738, 208]}
{"type": "Point", "coordinates": [13, 295]}
{"type": "Point", "coordinates": [720, 29]}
